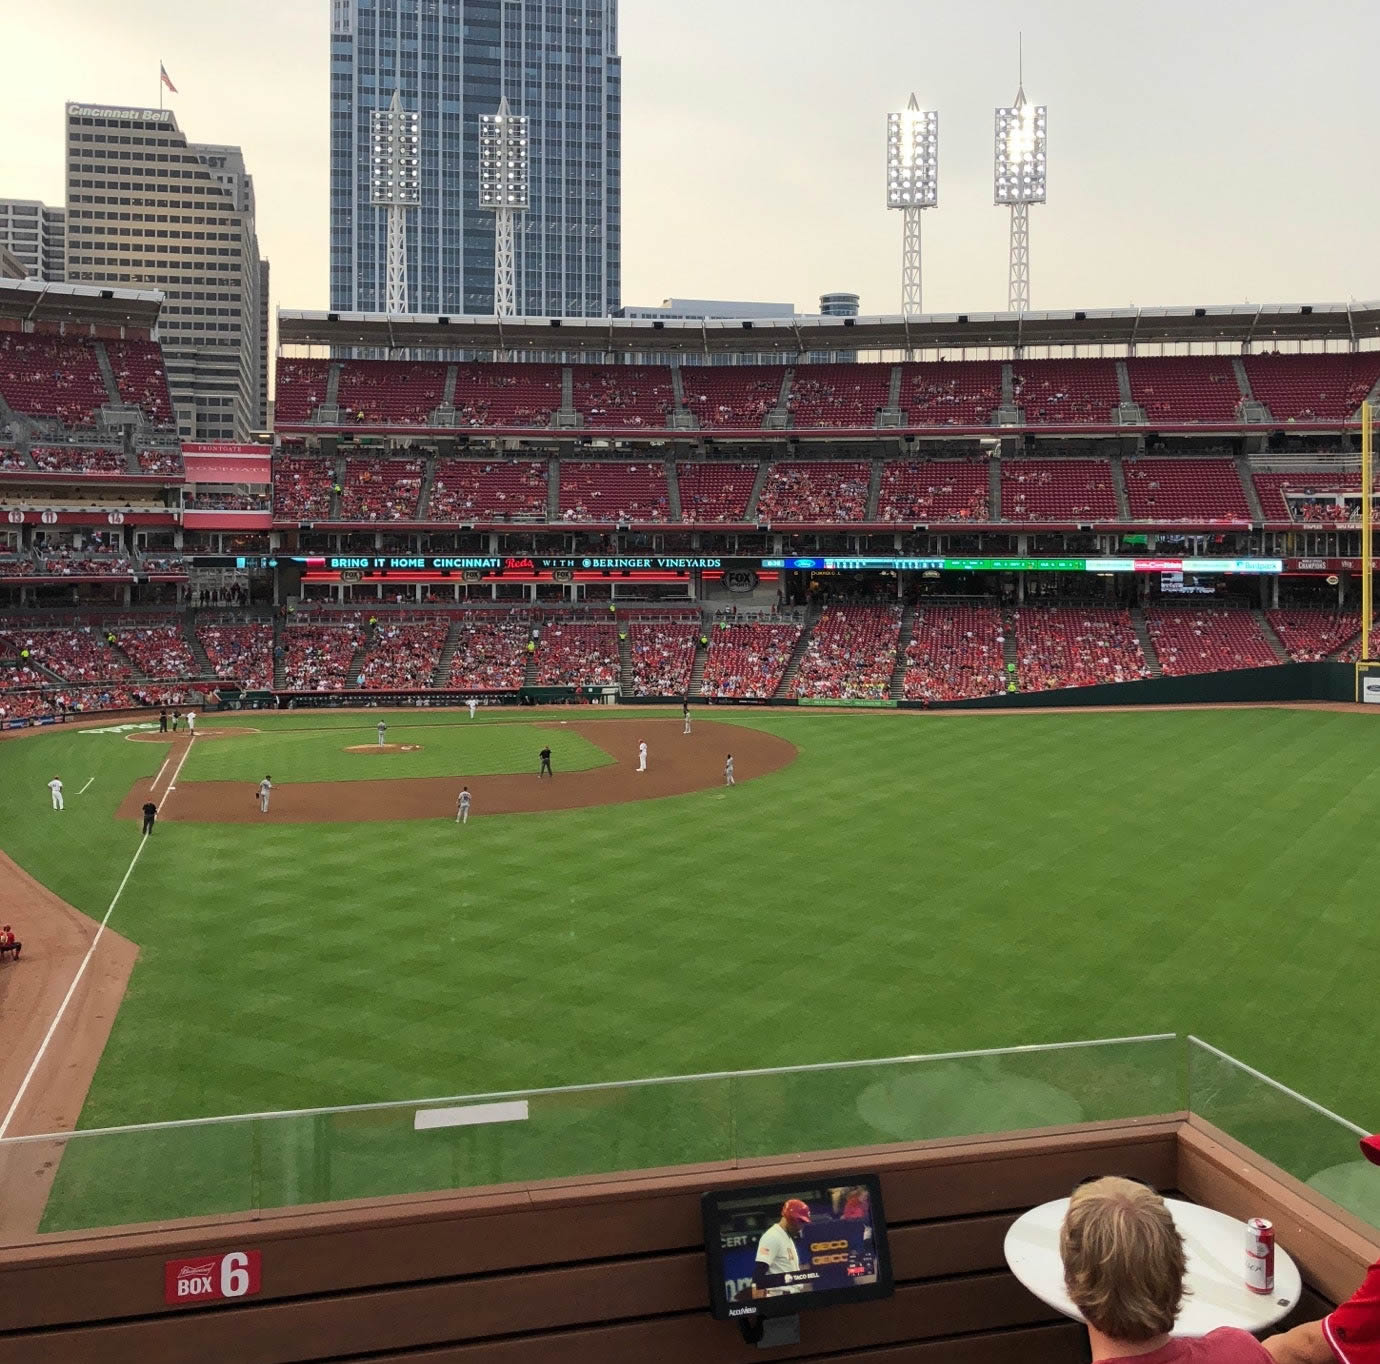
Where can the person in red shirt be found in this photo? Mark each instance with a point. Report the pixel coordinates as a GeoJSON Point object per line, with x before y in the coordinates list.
{"type": "Point", "coordinates": [9, 944]}
{"type": "Point", "coordinates": [1124, 1270]}
{"type": "Point", "coordinates": [1349, 1335]}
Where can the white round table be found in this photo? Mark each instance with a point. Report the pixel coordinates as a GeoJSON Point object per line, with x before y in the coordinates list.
{"type": "Point", "coordinates": [1215, 1252]}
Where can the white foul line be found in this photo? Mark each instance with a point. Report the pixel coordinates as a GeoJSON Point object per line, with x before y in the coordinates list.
{"type": "Point", "coordinates": [89, 780]}
{"type": "Point", "coordinates": [81, 970]}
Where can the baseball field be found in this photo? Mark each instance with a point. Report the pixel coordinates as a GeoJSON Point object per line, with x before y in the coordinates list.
{"type": "Point", "coordinates": [874, 884]}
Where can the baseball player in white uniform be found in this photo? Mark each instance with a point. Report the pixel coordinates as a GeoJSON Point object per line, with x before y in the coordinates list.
{"type": "Point", "coordinates": [462, 806]}
{"type": "Point", "coordinates": [383, 729]}
{"type": "Point", "coordinates": [642, 756]}
{"type": "Point", "coordinates": [728, 770]}
{"type": "Point", "coordinates": [191, 723]}
{"type": "Point", "coordinates": [55, 786]}
{"type": "Point", "coordinates": [777, 1260]}
{"type": "Point", "coordinates": [473, 705]}
{"type": "Point", "coordinates": [265, 790]}
{"type": "Point", "coordinates": [685, 713]}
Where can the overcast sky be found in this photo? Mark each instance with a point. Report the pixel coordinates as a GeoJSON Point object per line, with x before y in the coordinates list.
{"type": "Point", "coordinates": [1200, 151]}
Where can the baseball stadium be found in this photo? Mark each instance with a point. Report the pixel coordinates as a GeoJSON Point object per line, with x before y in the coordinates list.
{"type": "Point", "coordinates": [930, 746]}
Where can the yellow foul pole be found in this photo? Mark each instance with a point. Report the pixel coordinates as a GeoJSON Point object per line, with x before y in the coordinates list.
{"type": "Point", "coordinates": [1367, 530]}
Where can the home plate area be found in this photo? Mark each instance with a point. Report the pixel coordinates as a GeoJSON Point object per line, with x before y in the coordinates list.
{"type": "Point", "coordinates": [678, 764]}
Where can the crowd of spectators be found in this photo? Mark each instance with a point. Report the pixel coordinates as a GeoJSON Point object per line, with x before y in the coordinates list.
{"type": "Point", "coordinates": [1312, 635]}
{"type": "Point", "coordinates": [17, 566]}
{"type": "Point", "coordinates": [851, 654]}
{"type": "Point", "coordinates": [74, 654]}
{"type": "Point", "coordinates": [12, 459]}
{"type": "Point", "coordinates": [1076, 646]}
{"type": "Point", "coordinates": [1206, 640]}
{"type": "Point", "coordinates": [663, 656]}
{"type": "Point", "coordinates": [317, 657]}
{"type": "Point", "coordinates": [141, 380]}
{"type": "Point", "coordinates": [468, 490]}
{"type": "Point", "coordinates": [489, 652]}
{"type": "Point", "coordinates": [381, 490]}
{"type": "Point", "coordinates": [602, 491]}
{"type": "Point", "coordinates": [78, 459]}
{"type": "Point", "coordinates": [748, 660]}
{"type": "Point", "coordinates": [302, 488]}
{"type": "Point", "coordinates": [158, 651]}
{"type": "Point", "coordinates": [623, 395]}
{"type": "Point", "coordinates": [815, 492]}
{"type": "Point", "coordinates": [516, 395]}
{"type": "Point", "coordinates": [714, 491]}
{"type": "Point", "coordinates": [954, 653]}
{"type": "Point", "coordinates": [74, 563]}
{"type": "Point", "coordinates": [51, 376]}
{"type": "Point", "coordinates": [933, 490]}
{"type": "Point", "coordinates": [161, 462]}
{"type": "Point", "coordinates": [206, 500]}
{"type": "Point", "coordinates": [240, 653]}
{"type": "Point", "coordinates": [404, 655]}
{"type": "Point", "coordinates": [577, 654]}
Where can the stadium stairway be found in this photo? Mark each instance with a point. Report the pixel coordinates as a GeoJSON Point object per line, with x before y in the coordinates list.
{"type": "Point", "coordinates": [553, 489]}
{"type": "Point", "coordinates": [1273, 640]}
{"type": "Point", "coordinates": [874, 491]}
{"type": "Point", "coordinates": [994, 490]}
{"type": "Point", "coordinates": [203, 664]}
{"type": "Point", "coordinates": [112, 389]}
{"type": "Point", "coordinates": [755, 496]}
{"type": "Point", "coordinates": [625, 663]}
{"type": "Point", "coordinates": [672, 487]}
{"type": "Point", "coordinates": [1147, 645]}
{"type": "Point", "coordinates": [333, 386]}
{"type": "Point", "coordinates": [529, 676]}
{"type": "Point", "coordinates": [783, 688]}
{"type": "Point", "coordinates": [279, 655]}
{"type": "Point", "coordinates": [1243, 472]}
{"type": "Point", "coordinates": [1243, 380]}
{"type": "Point", "coordinates": [357, 663]}
{"type": "Point", "coordinates": [696, 685]}
{"type": "Point", "coordinates": [448, 388]}
{"type": "Point", "coordinates": [1010, 654]}
{"type": "Point", "coordinates": [1123, 385]}
{"type": "Point", "coordinates": [428, 482]}
{"type": "Point", "coordinates": [337, 481]}
{"type": "Point", "coordinates": [442, 674]}
{"type": "Point", "coordinates": [1123, 503]}
{"type": "Point", "coordinates": [898, 673]}
{"type": "Point", "coordinates": [1373, 396]}
{"type": "Point", "coordinates": [779, 418]}
{"type": "Point", "coordinates": [139, 674]}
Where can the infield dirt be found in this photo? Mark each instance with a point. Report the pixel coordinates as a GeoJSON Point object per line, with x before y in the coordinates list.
{"type": "Point", "coordinates": [677, 764]}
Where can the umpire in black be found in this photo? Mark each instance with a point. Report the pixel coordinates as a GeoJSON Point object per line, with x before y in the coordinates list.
{"type": "Point", "coordinates": [150, 814]}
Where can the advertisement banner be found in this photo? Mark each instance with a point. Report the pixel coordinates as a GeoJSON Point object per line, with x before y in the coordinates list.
{"type": "Point", "coordinates": [212, 1278]}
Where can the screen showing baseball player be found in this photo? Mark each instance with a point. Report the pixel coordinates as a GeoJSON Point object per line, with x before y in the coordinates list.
{"type": "Point", "coordinates": [777, 1250]}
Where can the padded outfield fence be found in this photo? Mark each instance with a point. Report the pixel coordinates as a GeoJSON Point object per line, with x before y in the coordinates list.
{"type": "Point", "coordinates": [242, 1164]}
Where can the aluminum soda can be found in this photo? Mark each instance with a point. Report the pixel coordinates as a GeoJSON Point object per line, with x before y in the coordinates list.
{"type": "Point", "coordinates": [1260, 1255]}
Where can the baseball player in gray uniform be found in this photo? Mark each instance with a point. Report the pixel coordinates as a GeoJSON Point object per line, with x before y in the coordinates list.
{"type": "Point", "coordinates": [462, 806]}
{"type": "Point", "coordinates": [265, 790]}
{"type": "Point", "coordinates": [383, 729]}
{"type": "Point", "coordinates": [728, 770]}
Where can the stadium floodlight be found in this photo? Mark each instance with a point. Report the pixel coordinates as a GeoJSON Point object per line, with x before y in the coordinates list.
{"type": "Point", "coordinates": [504, 187]}
{"type": "Point", "coordinates": [395, 185]}
{"type": "Point", "coordinates": [912, 185]}
{"type": "Point", "coordinates": [1019, 181]}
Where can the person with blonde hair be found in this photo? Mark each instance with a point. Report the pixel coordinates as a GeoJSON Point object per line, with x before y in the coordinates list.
{"type": "Point", "coordinates": [1124, 1270]}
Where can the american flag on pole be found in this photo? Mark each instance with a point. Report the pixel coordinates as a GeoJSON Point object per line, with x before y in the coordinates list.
{"type": "Point", "coordinates": [166, 79]}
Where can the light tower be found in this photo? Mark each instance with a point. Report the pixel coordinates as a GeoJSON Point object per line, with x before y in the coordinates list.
{"type": "Point", "coordinates": [912, 185]}
{"type": "Point", "coordinates": [503, 187]}
{"type": "Point", "coordinates": [395, 184]}
{"type": "Point", "coordinates": [1020, 182]}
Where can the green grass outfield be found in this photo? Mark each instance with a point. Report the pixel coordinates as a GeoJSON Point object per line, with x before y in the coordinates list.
{"type": "Point", "coordinates": [912, 883]}
{"type": "Point", "coordinates": [295, 747]}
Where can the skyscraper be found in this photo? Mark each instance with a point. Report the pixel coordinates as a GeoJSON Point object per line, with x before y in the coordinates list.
{"type": "Point", "coordinates": [148, 209]}
{"type": "Point", "coordinates": [556, 61]}
{"type": "Point", "coordinates": [35, 233]}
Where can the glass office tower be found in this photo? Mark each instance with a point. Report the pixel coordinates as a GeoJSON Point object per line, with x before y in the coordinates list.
{"type": "Point", "coordinates": [452, 60]}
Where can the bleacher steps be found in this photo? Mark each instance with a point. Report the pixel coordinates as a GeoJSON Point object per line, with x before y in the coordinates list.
{"type": "Point", "coordinates": [672, 490]}
{"type": "Point", "coordinates": [448, 392]}
{"type": "Point", "coordinates": [565, 417]}
{"type": "Point", "coordinates": [1147, 645]}
{"type": "Point", "coordinates": [779, 418]}
{"type": "Point", "coordinates": [874, 490]}
{"type": "Point", "coordinates": [1243, 472]}
{"type": "Point", "coordinates": [755, 496]}
{"type": "Point", "coordinates": [1010, 653]}
{"type": "Point", "coordinates": [442, 673]}
{"type": "Point", "coordinates": [681, 416]}
{"type": "Point", "coordinates": [112, 389]}
{"type": "Point", "coordinates": [625, 667]}
{"type": "Point", "coordinates": [783, 687]}
{"type": "Point", "coordinates": [1273, 640]}
{"type": "Point", "coordinates": [529, 675]}
{"type": "Point", "coordinates": [893, 392]}
{"type": "Point", "coordinates": [891, 416]}
{"type": "Point", "coordinates": [428, 482]}
{"type": "Point", "coordinates": [1243, 380]}
{"type": "Point", "coordinates": [1373, 397]}
{"type": "Point", "coordinates": [553, 490]}
{"type": "Point", "coordinates": [898, 673]}
{"type": "Point", "coordinates": [279, 654]}
{"type": "Point", "coordinates": [333, 386]}
{"type": "Point", "coordinates": [994, 490]}
{"type": "Point", "coordinates": [1008, 385]}
{"type": "Point", "coordinates": [203, 663]}
{"type": "Point", "coordinates": [139, 674]}
{"type": "Point", "coordinates": [132, 460]}
{"type": "Point", "coordinates": [1123, 502]}
{"type": "Point", "coordinates": [1123, 384]}
{"type": "Point", "coordinates": [701, 657]}
{"type": "Point", "coordinates": [357, 662]}
{"type": "Point", "coordinates": [337, 481]}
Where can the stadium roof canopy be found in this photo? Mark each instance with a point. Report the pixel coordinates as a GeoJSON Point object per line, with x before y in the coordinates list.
{"type": "Point", "coordinates": [33, 300]}
{"type": "Point", "coordinates": [1261, 325]}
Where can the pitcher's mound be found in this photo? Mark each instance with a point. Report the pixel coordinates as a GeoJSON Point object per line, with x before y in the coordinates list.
{"type": "Point", "coordinates": [384, 748]}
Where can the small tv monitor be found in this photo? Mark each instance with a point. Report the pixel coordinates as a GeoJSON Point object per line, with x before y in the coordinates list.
{"type": "Point", "coordinates": [778, 1249]}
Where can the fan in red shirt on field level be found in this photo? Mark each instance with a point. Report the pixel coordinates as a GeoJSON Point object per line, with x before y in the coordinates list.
{"type": "Point", "coordinates": [1351, 1333]}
